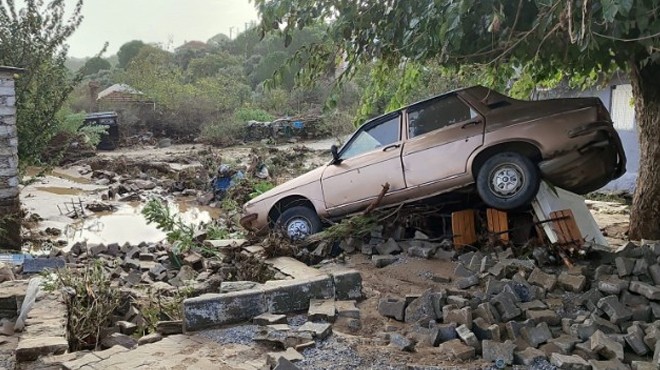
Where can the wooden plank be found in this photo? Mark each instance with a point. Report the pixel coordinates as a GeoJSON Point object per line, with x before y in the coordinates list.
{"type": "Point", "coordinates": [463, 228]}
{"type": "Point", "coordinates": [566, 227]}
{"type": "Point", "coordinates": [498, 223]}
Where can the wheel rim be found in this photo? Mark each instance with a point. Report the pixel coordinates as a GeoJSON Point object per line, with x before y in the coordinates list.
{"type": "Point", "coordinates": [299, 228]}
{"type": "Point", "coordinates": [506, 180]}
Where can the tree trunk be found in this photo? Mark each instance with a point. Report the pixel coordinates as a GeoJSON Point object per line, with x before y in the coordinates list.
{"type": "Point", "coordinates": [645, 214]}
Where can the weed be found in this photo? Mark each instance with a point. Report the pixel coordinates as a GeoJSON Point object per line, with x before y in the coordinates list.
{"type": "Point", "coordinates": [179, 233]}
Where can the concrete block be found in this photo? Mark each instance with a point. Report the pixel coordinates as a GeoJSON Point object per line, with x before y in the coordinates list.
{"type": "Point", "coordinates": [392, 307]}
{"type": "Point", "coordinates": [605, 346]}
{"type": "Point", "coordinates": [513, 328]}
{"type": "Point", "coordinates": [487, 312]}
{"type": "Point", "coordinates": [549, 317]}
{"type": "Point", "coordinates": [286, 296]}
{"type": "Point", "coordinates": [389, 247]}
{"type": "Point", "coordinates": [528, 356]}
{"type": "Point", "coordinates": [457, 350]}
{"type": "Point", "coordinates": [462, 316]}
{"type": "Point", "coordinates": [421, 309]}
{"type": "Point", "coordinates": [210, 310]}
{"type": "Point", "coordinates": [612, 285]}
{"type": "Point", "coordinates": [468, 337]}
{"type": "Point", "coordinates": [484, 330]}
{"type": "Point", "coordinates": [383, 261]}
{"type": "Point", "coordinates": [624, 266]}
{"type": "Point", "coordinates": [401, 342]}
{"type": "Point", "coordinates": [572, 283]}
{"type": "Point", "coordinates": [318, 330]}
{"type": "Point", "coordinates": [566, 343]}
{"type": "Point", "coordinates": [505, 303]}
{"type": "Point", "coordinates": [569, 362]}
{"type": "Point", "coordinates": [642, 365]}
{"type": "Point", "coordinates": [537, 335]}
{"type": "Point", "coordinates": [540, 278]}
{"type": "Point", "coordinates": [616, 311]}
{"type": "Point", "coordinates": [649, 291]}
{"type": "Point", "coordinates": [467, 282]}
{"type": "Point", "coordinates": [635, 340]}
{"type": "Point", "coordinates": [348, 285]}
{"type": "Point", "coordinates": [322, 310]}
{"type": "Point", "coordinates": [654, 271]}
{"type": "Point", "coordinates": [608, 365]}
{"type": "Point", "coordinates": [29, 349]}
{"type": "Point", "coordinates": [494, 351]}
{"type": "Point", "coordinates": [442, 333]}
{"type": "Point", "coordinates": [347, 309]}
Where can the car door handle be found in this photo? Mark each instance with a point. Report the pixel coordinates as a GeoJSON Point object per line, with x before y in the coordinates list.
{"type": "Point", "coordinates": [471, 123]}
{"type": "Point", "coordinates": [393, 146]}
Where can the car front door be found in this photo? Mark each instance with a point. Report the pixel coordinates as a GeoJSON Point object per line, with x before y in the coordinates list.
{"type": "Point", "coordinates": [371, 158]}
{"type": "Point", "coordinates": [442, 133]}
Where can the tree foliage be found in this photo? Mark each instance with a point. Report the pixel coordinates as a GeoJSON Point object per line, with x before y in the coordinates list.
{"type": "Point", "coordinates": [34, 38]}
{"type": "Point", "coordinates": [95, 65]}
{"type": "Point", "coordinates": [128, 51]}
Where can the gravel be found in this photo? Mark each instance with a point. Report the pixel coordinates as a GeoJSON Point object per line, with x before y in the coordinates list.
{"type": "Point", "coordinates": [336, 354]}
{"type": "Point", "coordinates": [237, 334]}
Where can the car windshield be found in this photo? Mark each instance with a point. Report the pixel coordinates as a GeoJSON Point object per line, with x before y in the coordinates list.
{"type": "Point", "coordinates": [383, 133]}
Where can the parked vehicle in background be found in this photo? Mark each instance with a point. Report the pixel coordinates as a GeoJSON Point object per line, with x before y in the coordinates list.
{"type": "Point", "coordinates": [109, 140]}
{"type": "Point", "coordinates": [473, 136]}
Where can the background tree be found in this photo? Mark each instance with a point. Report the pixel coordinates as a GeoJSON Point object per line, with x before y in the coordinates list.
{"type": "Point", "coordinates": [94, 65]}
{"type": "Point", "coordinates": [128, 51]}
{"type": "Point", "coordinates": [34, 38]}
{"type": "Point", "coordinates": [543, 37]}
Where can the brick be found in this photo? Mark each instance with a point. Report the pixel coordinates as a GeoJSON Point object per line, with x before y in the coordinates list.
{"type": "Point", "coordinates": [467, 282]}
{"type": "Point", "coordinates": [605, 346]}
{"type": "Point", "coordinates": [649, 291]}
{"type": "Point", "coordinates": [540, 278]}
{"type": "Point", "coordinates": [392, 307]}
{"type": "Point", "coordinates": [565, 342]}
{"type": "Point", "coordinates": [487, 312]}
{"type": "Point", "coordinates": [421, 308]}
{"type": "Point", "coordinates": [572, 283]}
{"type": "Point", "coordinates": [482, 330]}
{"type": "Point", "coordinates": [616, 311]}
{"type": "Point", "coordinates": [401, 342]}
{"type": "Point", "coordinates": [513, 328]}
{"type": "Point", "coordinates": [494, 351]}
{"type": "Point", "coordinates": [569, 362]}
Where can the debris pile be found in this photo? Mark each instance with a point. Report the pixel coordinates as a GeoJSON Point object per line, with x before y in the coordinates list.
{"type": "Point", "coordinates": [604, 315]}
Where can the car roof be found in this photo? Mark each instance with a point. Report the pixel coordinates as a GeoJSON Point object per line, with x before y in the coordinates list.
{"type": "Point", "coordinates": [422, 102]}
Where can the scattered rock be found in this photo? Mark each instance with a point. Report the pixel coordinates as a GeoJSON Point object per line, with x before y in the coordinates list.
{"type": "Point", "coordinates": [118, 339]}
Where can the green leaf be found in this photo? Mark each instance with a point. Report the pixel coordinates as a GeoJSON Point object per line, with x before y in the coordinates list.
{"type": "Point", "coordinates": [610, 9]}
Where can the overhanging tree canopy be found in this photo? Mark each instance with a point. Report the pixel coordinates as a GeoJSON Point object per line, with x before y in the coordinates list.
{"type": "Point", "coordinates": [573, 36]}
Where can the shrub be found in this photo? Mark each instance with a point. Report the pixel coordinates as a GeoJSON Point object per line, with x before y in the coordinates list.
{"type": "Point", "coordinates": [223, 133]}
{"type": "Point", "coordinates": [252, 114]}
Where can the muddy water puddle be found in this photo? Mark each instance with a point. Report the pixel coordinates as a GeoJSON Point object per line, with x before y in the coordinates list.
{"type": "Point", "coordinates": [127, 224]}
{"type": "Point", "coordinates": [59, 190]}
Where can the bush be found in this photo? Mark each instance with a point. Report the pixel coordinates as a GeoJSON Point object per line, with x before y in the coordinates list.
{"type": "Point", "coordinates": [223, 133]}
{"type": "Point", "coordinates": [252, 114]}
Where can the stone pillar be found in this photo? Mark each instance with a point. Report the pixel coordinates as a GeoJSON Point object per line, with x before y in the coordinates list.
{"type": "Point", "coordinates": [10, 220]}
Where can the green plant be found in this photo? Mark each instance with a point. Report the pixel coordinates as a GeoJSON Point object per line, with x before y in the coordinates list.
{"type": "Point", "coordinates": [179, 233]}
{"type": "Point", "coordinates": [91, 300]}
{"type": "Point", "coordinates": [261, 187]}
{"type": "Point", "coordinates": [157, 307]}
{"type": "Point", "coordinates": [223, 133]}
{"type": "Point", "coordinates": [246, 114]}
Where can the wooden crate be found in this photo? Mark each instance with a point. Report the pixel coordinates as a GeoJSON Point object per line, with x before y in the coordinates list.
{"type": "Point", "coordinates": [498, 223]}
{"type": "Point", "coordinates": [463, 228]}
{"type": "Point", "coordinates": [566, 228]}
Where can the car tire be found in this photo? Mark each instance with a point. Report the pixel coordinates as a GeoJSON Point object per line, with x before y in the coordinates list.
{"type": "Point", "coordinates": [298, 222]}
{"type": "Point", "coordinates": [508, 181]}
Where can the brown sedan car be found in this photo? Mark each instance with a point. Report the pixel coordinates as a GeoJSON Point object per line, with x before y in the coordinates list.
{"type": "Point", "coordinates": [474, 136]}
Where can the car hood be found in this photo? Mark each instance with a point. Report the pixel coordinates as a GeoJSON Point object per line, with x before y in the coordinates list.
{"type": "Point", "coordinates": [290, 186]}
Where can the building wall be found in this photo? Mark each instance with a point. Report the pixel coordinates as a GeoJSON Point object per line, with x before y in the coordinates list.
{"type": "Point", "coordinates": [9, 201]}
{"type": "Point", "coordinates": [627, 130]}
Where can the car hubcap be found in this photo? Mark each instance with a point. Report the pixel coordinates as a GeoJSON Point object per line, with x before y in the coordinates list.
{"type": "Point", "coordinates": [299, 228]}
{"type": "Point", "coordinates": [506, 180]}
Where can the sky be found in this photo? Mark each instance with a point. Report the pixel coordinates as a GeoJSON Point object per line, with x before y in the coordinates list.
{"type": "Point", "coordinates": [168, 22]}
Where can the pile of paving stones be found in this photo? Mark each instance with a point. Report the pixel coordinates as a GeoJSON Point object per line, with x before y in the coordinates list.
{"type": "Point", "coordinates": [145, 272]}
{"type": "Point", "coordinates": [603, 315]}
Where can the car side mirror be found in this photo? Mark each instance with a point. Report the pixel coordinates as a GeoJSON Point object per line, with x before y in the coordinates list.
{"type": "Point", "coordinates": [335, 154]}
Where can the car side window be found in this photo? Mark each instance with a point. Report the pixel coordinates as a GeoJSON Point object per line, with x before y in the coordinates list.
{"type": "Point", "coordinates": [384, 133]}
{"type": "Point", "coordinates": [437, 114]}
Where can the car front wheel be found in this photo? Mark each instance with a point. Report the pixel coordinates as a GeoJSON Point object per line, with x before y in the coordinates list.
{"type": "Point", "coordinates": [299, 222]}
{"type": "Point", "coordinates": [508, 181]}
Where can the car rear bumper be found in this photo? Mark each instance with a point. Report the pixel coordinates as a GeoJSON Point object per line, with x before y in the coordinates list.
{"type": "Point", "coordinates": [592, 165]}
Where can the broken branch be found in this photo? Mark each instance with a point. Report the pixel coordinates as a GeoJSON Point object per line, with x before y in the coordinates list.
{"type": "Point", "coordinates": [379, 199]}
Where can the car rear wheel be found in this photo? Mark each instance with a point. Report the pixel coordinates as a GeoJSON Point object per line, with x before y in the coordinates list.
{"type": "Point", "coordinates": [299, 222]}
{"type": "Point", "coordinates": [508, 181]}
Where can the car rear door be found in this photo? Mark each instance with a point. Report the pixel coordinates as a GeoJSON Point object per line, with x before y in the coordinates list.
{"type": "Point", "coordinates": [442, 133]}
{"type": "Point", "coordinates": [371, 158]}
